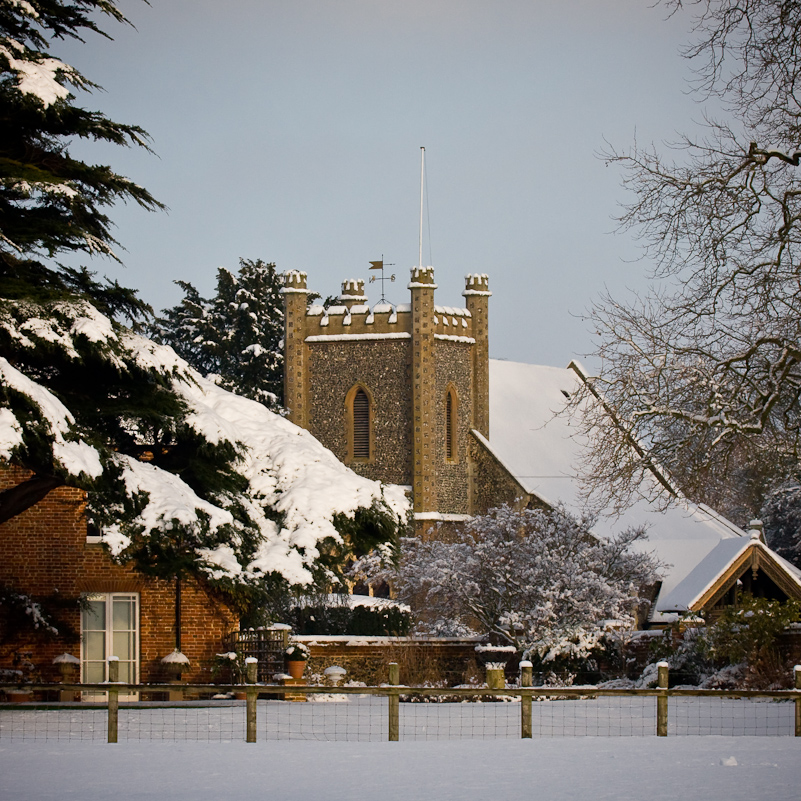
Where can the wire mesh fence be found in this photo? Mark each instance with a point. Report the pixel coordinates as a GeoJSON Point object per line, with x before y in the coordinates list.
{"type": "Point", "coordinates": [467, 719]}
{"type": "Point", "coordinates": [56, 723]}
{"type": "Point", "coordinates": [224, 721]}
{"type": "Point", "coordinates": [731, 716]}
{"type": "Point", "coordinates": [362, 714]}
{"type": "Point", "coordinates": [327, 717]}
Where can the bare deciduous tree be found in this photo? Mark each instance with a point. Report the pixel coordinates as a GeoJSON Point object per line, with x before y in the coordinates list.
{"type": "Point", "coordinates": [704, 370]}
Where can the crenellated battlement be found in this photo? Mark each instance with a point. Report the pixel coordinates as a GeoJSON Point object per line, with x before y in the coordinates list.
{"type": "Point", "coordinates": [453, 324]}
{"type": "Point", "coordinates": [476, 284]}
{"type": "Point", "coordinates": [352, 287]}
{"type": "Point", "coordinates": [352, 293]}
{"type": "Point", "coordinates": [358, 319]}
{"type": "Point", "coordinates": [422, 276]}
{"type": "Point", "coordinates": [354, 318]}
{"type": "Point", "coordinates": [294, 281]}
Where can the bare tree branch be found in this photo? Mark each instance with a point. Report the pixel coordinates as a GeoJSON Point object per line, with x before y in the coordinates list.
{"type": "Point", "coordinates": [704, 371]}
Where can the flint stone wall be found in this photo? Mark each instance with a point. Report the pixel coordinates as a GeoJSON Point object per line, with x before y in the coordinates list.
{"type": "Point", "coordinates": [384, 368]}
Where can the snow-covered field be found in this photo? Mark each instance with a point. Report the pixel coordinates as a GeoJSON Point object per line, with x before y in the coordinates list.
{"type": "Point", "coordinates": [588, 768]}
{"type": "Point", "coordinates": [464, 751]}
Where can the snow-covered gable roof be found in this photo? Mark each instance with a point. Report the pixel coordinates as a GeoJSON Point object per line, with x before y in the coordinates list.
{"type": "Point", "coordinates": [541, 447]}
{"type": "Point", "coordinates": [702, 580]}
{"type": "Point", "coordinates": [686, 594]}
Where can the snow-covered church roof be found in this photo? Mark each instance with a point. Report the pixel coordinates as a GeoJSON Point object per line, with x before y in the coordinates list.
{"type": "Point", "coordinates": [541, 447]}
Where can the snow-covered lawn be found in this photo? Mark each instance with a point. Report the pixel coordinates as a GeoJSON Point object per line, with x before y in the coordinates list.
{"type": "Point", "coordinates": [459, 751]}
{"type": "Point", "coordinates": [589, 768]}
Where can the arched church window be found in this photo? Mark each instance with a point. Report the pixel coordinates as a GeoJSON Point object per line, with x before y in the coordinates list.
{"type": "Point", "coordinates": [359, 413]}
{"type": "Point", "coordinates": [450, 425]}
{"type": "Point", "coordinates": [361, 425]}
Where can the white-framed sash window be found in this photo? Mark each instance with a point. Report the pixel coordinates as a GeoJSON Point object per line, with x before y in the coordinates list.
{"type": "Point", "coordinates": [110, 627]}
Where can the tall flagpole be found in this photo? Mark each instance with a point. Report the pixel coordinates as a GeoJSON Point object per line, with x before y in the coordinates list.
{"type": "Point", "coordinates": [422, 171]}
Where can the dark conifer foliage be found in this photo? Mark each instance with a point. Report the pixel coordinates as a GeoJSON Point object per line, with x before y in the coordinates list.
{"type": "Point", "coordinates": [50, 202]}
{"type": "Point", "coordinates": [173, 480]}
{"type": "Point", "coordinates": [55, 348]}
{"type": "Point", "coordinates": [234, 335]}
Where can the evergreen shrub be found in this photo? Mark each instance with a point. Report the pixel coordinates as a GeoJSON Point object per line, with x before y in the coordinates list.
{"type": "Point", "coordinates": [323, 617]}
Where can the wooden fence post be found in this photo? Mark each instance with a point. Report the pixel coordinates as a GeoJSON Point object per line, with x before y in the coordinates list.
{"type": "Point", "coordinates": [662, 701]}
{"type": "Point", "coordinates": [526, 679]}
{"type": "Point", "coordinates": [113, 698]}
{"type": "Point", "coordinates": [495, 678]}
{"type": "Point", "coordinates": [797, 676]}
{"type": "Point", "coordinates": [394, 702]}
{"type": "Point", "coordinates": [251, 696]}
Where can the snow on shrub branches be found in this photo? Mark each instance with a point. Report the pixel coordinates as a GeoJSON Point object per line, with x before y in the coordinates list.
{"type": "Point", "coordinates": [536, 579]}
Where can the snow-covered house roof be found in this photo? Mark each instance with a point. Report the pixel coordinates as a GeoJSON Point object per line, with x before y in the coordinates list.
{"type": "Point", "coordinates": [292, 487]}
{"type": "Point", "coordinates": [541, 447]}
{"type": "Point", "coordinates": [698, 588]}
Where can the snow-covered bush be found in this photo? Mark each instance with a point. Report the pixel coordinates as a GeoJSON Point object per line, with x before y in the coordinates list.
{"type": "Point", "coordinates": [229, 667]}
{"type": "Point", "coordinates": [535, 579]}
{"type": "Point", "coordinates": [297, 652]}
{"type": "Point", "coordinates": [748, 631]}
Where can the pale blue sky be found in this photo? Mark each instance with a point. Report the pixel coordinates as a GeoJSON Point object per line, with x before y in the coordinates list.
{"type": "Point", "coordinates": [289, 130]}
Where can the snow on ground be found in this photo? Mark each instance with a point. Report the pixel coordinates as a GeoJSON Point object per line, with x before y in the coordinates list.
{"type": "Point", "coordinates": [561, 769]}
{"type": "Point", "coordinates": [215, 763]}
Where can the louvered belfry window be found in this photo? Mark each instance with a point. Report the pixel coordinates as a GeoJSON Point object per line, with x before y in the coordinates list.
{"type": "Point", "coordinates": [361, 425]}
{"type": "Point", "coordinates": [449, 427]}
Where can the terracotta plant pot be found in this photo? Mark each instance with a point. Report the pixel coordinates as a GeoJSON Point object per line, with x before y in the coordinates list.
{"type": "Point", "coordinates": [295, 668]}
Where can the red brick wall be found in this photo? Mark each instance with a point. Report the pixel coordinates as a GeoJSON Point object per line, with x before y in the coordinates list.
{"type": "Point", "coordinates": [44, 554]}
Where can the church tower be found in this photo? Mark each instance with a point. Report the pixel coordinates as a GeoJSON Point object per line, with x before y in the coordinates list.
{"type": "Point", "coordinates": [394, 391]}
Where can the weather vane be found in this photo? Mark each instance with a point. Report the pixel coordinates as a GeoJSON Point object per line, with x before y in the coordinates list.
{"type": "Point", "coordinates": [379, 265]}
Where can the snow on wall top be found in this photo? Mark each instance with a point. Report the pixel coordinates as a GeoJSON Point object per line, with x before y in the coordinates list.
{"type": "Point", "coordinates": [543, 450]}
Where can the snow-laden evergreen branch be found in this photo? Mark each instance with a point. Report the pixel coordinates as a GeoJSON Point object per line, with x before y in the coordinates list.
{"type": "Point", "coordinates": [181, 474]}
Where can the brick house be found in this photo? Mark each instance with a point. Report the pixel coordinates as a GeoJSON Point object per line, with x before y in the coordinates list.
{"type": "Point", "coordinates": [102, 608]}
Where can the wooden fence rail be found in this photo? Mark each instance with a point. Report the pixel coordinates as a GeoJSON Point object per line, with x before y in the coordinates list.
{"type": "Point", "coordinates": [393, 691]}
